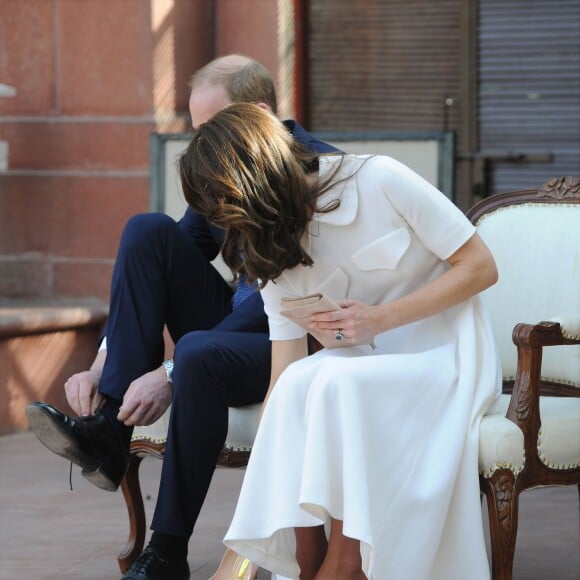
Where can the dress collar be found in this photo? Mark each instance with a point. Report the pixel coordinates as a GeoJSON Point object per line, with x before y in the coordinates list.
{"type": "Point", "coordinates": [346, 192]}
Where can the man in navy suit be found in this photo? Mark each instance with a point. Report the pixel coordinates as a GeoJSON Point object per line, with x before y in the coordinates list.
{"type": "Point", "coordinates": [163, 277]}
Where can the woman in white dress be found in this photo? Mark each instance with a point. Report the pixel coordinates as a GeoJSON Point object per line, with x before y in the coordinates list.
{"type": "Point", "coordinates": [365, 462]}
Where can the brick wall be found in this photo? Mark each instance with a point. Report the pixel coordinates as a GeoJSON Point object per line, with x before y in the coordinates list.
{"type": "Point", "coordinates": [93, 79]}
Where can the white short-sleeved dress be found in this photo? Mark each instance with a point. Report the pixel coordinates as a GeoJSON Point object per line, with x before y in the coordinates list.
{"type": "Point", "coordinates": [385, 440]}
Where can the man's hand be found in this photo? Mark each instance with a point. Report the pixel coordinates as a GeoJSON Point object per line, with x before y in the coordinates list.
{"type": "Point", "coordinates": [82, 392]}
{"type": "Point", "coordinates": [146, 399]}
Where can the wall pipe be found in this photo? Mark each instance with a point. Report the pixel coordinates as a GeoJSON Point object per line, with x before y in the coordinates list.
{"type": "Point", "coordinates": [301, 68]}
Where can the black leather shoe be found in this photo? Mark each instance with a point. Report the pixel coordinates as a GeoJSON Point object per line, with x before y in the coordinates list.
{"type": "Point", "coordinates": [151, 566]}
{"type": "Point", "coordinates": [92, 443]}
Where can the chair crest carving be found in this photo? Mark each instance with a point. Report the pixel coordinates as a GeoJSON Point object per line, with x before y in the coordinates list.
{"type": "Point", "coordinates": [561, 188]}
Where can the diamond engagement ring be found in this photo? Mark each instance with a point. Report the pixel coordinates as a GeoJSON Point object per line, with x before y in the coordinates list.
{"type": "Point", "coordinates": [339, 335]}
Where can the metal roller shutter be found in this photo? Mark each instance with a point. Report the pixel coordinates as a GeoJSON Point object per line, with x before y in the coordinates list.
{"type": "Point", "coordinates": [529, 90]}
{"type": "Point", "coordinates": [383, 64]}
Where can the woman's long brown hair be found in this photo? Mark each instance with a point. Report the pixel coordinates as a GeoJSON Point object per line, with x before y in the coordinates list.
{"type": "Point", "coordinates": [245, 173]}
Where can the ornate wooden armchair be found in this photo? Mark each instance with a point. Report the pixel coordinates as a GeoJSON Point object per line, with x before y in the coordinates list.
{"type": "Point", "coordinates": [532, 437]}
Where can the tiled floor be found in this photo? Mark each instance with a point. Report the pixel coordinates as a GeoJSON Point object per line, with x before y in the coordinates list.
{"type": "Point", "coordinates": [50, 532]}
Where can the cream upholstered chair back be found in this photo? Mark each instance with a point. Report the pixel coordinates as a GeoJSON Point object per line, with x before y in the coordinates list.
{"type": "Point", "coordinates": [536, 246]}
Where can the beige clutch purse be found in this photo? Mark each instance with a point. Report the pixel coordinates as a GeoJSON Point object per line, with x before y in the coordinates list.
{"type": "Point", "coordinates": [300, 309]}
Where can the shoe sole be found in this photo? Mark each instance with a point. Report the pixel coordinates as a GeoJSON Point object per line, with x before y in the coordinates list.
{"type": "Point", "coordinates": [57, 439]}
{"type": "Point", "coordinates": [99, 479]}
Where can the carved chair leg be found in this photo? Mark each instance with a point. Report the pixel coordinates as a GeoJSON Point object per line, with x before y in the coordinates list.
{"type": "Point", "coordinates": [502, 507]}
{"type": "Point", "coordinates": [134, 500]}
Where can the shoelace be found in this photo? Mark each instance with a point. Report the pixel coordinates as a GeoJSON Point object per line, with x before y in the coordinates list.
{"type": "Point", "coordinates": [143, 562]}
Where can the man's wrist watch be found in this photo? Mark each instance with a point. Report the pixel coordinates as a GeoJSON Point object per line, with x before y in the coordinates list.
{"type": "Point", "coordinates": [168, 366]}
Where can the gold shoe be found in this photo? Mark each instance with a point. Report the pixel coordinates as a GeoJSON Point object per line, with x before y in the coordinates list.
{"type": "Point", "coordinates": [235, 567]}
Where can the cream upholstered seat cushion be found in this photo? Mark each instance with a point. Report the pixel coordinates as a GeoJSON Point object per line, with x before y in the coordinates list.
{"type": "Point", "coordinates": [156, 432]}
{"type": "Point", "coordinates": [242, 427]}
{"type": "Point", "coordinates": [501, 443]}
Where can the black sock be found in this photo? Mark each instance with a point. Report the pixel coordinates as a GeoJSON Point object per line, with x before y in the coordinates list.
{"type": "Point", "coordinates": [169, 547]}
{"type": "Point", "coordinates": [110, 407]}
{"type": "Point", "coordinates": [110, 410]}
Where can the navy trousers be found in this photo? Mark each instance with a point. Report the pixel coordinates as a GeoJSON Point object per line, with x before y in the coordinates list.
{"type": "Point", "coordinates": [222, 357]}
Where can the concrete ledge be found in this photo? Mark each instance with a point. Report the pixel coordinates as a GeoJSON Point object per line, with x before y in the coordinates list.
{"type": "Point", "coordinates": [41, 345]}
{"type": "Point", "coordinates": [19, 321]}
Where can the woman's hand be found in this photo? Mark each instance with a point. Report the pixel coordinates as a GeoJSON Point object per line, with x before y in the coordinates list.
{"type": "Point", "coordinates": [472, 270]}
{"type": "Point", "coordinates": [357, 322]}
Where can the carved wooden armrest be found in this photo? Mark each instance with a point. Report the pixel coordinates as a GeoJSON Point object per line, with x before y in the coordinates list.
{"type": "Point", "coordinates": [524, 407]}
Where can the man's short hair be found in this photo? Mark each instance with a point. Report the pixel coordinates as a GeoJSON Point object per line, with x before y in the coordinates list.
{"type": "Point", "coordinates": [244, 80]}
